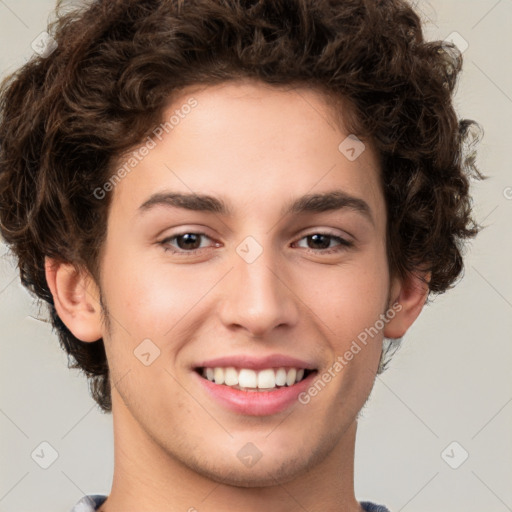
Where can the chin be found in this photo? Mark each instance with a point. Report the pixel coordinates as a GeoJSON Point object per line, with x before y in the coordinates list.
{"type": "Point", "coordinates": [277, 469]}
{"type": "Point", "coordinates": [267, 474]}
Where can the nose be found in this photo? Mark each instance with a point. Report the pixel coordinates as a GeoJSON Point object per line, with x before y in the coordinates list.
{"type": "Point", "coordinates": [258, 296]}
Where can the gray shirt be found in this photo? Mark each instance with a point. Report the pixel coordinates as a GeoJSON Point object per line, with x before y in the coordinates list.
{"type": "Point", "coordinates": [92, 502]}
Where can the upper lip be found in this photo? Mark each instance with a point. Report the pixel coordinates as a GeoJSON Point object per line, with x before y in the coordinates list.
{"type": "Point", "coordinates": [256, 363]}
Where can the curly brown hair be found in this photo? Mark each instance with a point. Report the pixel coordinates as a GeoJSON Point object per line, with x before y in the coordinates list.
{"type": "Point", "coordinates": [67, 117]}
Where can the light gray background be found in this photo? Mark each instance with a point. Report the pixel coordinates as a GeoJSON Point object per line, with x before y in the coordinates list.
{"type": "Point", "coordinates": [450, 381]}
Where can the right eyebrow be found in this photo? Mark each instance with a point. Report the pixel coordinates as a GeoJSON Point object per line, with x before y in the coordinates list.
{"type": "Point", "coordinates": [197, 202]}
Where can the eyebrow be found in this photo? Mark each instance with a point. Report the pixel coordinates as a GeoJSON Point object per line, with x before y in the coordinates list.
{"type": "Point", "coordinates": [312, 203]}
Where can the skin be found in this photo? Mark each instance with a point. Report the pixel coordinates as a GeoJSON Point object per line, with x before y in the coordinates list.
{"type": "Point", "coordinates": [258, 148]}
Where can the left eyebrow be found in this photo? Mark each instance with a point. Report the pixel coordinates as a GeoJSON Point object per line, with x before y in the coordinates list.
{"type": "Point", "coordinates": [328, 201]}
{"type": "Point", "coordinates": [313, 203]}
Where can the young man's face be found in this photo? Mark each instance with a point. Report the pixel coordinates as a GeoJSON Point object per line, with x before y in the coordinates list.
{"type": "Point", "coordinates": [257, 285]}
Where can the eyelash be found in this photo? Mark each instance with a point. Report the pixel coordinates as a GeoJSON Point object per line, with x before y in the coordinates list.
{"type": "Point", "coordinates": [343, 244]}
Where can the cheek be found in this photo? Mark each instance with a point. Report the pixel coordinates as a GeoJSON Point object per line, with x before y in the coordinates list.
{"type": "Point", "coordinates": [351, 296]}
{"type": "Point", "coordinates": [152, 298]}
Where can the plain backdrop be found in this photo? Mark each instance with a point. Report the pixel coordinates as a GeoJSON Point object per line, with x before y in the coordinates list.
{"type": "Point", "coordinates": [446, 395]}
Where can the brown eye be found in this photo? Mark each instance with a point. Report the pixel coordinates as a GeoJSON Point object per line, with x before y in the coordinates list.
{"type": "Point", "coordinates": [184, 242]}
{"type": "Point", "coordinates": [321, 242]}
{"type": "Point", "coordinates": [189, 241]}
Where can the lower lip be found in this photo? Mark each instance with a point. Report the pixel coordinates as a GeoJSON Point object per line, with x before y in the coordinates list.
{"type": "Point", "coordinates": [255, 403]}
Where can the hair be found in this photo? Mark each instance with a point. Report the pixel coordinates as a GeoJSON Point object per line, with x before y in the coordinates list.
{"type": "Point", "coordinates": [65, 119]}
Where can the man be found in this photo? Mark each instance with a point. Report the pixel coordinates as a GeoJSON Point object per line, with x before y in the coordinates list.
{"type": "Point", "coordinates": [309, 153]}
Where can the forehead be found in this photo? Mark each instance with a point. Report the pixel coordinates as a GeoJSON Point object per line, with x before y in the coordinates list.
{"type": "Point", "coordinates": [252, 143]}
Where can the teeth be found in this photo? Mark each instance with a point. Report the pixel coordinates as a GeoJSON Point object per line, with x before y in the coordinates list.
{"type": "Point", "coordinates": [266, 379]}
{"type": "Point", "coordinates": [290, 377]}
{"type": "Point", "coordinates": [230, 376]}
{"type": "Point", "coordinates": [218, 375]}
{"type": "Point", "coordinates": [281, 377]}
{"type": "Point", "coordinates": [246, 378]}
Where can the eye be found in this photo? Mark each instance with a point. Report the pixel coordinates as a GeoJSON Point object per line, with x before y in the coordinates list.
{"type": "Point", "coordinates": [189, 242]}
{"type": "Point", "coordinates": [324, 241]}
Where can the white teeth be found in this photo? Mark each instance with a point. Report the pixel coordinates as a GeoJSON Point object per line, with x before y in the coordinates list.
{"type": "Point", "coordinates": [230, 376]}
{"type": "Point", "coordinates": [218, 375]}
{"type": "Point", "coordinates": [266, 379]}
{"type": "Point", "coordinates": [281, 377]}
{"type": "Point", "coordinates": [246, 378]}
{"type": "Point", "coordinates": [290, 377]}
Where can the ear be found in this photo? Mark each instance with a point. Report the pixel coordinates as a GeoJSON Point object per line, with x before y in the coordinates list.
{"type": "Point", "coordinates": [410, 294]}
{"type": "Point", "coordinates": [76, 298]}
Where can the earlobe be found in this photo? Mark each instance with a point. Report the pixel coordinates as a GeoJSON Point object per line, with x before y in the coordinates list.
{"type": "Point", "coordinates": [410, 294]}
{"type": "Point", "coordinates": [76, 299]}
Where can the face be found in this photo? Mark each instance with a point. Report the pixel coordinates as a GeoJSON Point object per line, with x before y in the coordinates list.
{"type": "Point", "coordinates": [282, 268]}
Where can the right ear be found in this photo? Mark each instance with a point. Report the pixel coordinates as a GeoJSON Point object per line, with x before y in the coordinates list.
{"type": "Point", "coordinates": [76, 299]}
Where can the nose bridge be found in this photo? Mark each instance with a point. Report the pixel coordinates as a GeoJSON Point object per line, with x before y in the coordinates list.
{"type": "Point", "coordinates": [257, 298]}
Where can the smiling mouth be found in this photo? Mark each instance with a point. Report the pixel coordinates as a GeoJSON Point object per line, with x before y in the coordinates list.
{"type": "Point", "coordinates": [247, 379]}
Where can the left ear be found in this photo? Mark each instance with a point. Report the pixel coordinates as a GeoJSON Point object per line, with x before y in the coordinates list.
{"type": "Point", "coordinates": [411, 294]}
